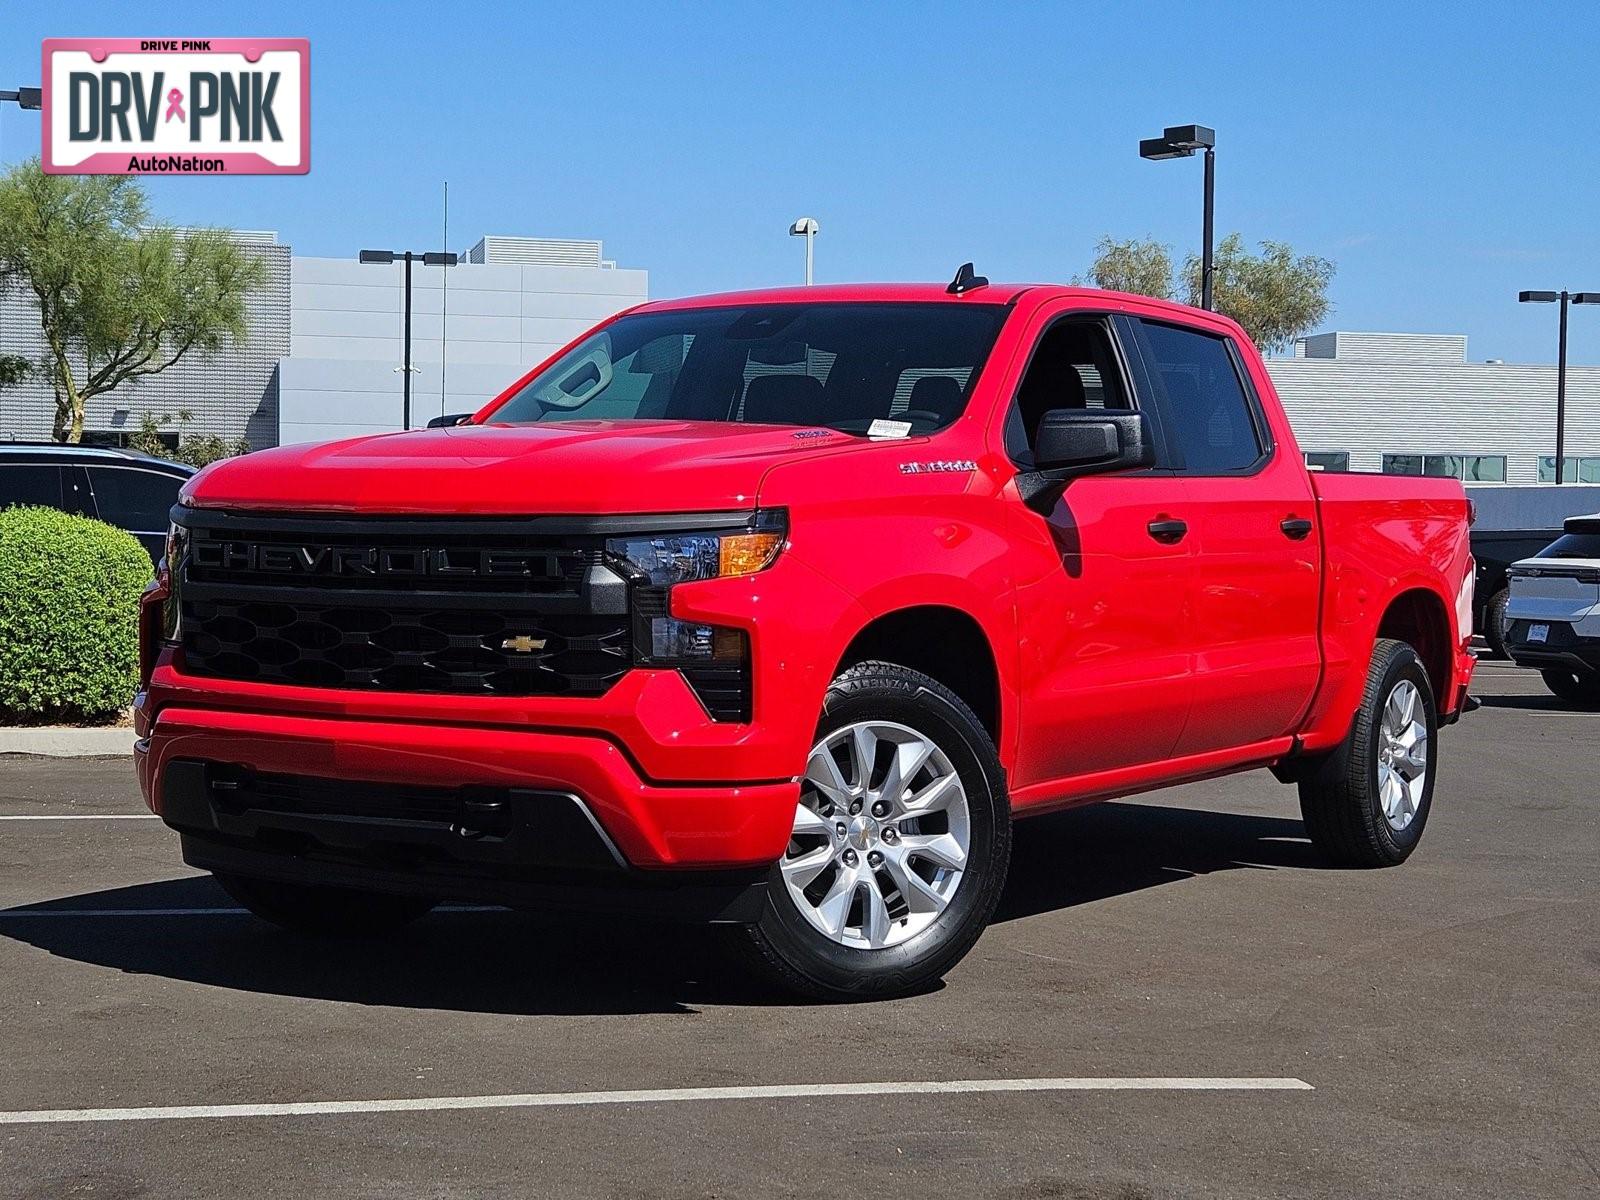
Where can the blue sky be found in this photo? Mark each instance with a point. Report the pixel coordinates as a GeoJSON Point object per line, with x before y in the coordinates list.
{"type": "Point", "coordinates": [1441, 155]}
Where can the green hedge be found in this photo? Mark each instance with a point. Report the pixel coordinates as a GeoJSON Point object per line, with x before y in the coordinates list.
{"type": "Point", "coordinates": [69, 616]}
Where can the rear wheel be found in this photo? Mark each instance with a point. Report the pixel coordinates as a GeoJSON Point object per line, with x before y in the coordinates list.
{"type": "Point", "coordinates": [1367, 804]}
{"type": "Point", "coordinates": [1573, 687]}
{"type": "Point", "coordinates": [325, 911]}
{"type": "Point", "coordinates": [901, 840]}
{"type": "Point", "coordinates": [1494, 622]}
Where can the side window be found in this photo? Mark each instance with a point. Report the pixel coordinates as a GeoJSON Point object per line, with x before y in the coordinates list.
{"type": "Point", "coordinates": [1073, 366]}
{"type": "Point", "coordinates": [134, 499]}
{"type": "Point", "coordinates": [30, 483]}
{"type": "Point", "coordinates": [1206, 403]}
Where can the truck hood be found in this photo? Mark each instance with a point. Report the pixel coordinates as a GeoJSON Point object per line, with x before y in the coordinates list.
{"type": "Point", "coordinates": [588, 467]}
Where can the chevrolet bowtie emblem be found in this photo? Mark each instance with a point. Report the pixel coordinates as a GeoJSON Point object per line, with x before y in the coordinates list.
{"type": "Point", "coordinates": [523, 644]}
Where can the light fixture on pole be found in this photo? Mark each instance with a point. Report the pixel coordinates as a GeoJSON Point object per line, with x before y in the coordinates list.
{"type": "Point", "coordinates": [432, 258]}
{"type": "Point", "coordinates": [1181, 141]}
{"type": "Point", "coordinates": [1562, 298]}
{"type": "Point", "coordinates": [806, 227]}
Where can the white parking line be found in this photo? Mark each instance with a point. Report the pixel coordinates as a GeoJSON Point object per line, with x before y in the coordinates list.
{"type": "Point", "coordinates": [11, 914]}
{"type": "Point", "coordinates": [798, 1091]}
{"type": "Point", "coordinates": [80, 817]}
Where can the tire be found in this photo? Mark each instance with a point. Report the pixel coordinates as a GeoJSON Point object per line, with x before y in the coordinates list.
{"type": "Point", "coordinates": [1581, 690]}
{"type": "Point", "coordinates": [1353, 812]}
{"type": "Point", "coordinates": [325, 911]}
{"type": "Point", "coordinates": [1494, 622]}
{"type": "Point", "coordinates": [888, 938]}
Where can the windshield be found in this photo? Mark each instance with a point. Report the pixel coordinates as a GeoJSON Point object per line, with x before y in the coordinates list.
{"type": "Point", "coordinates": [843, 366]}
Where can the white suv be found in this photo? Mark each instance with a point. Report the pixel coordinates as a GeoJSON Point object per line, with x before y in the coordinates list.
{"type": "Point", "coordinates": [1553, 615]}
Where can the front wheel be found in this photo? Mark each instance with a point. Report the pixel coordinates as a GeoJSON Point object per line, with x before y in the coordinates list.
{"type": "Point", "coordinates": [1367, 804]}
{"type": "Point", "coordinates": [1574, 688]}
{"type": "Point", "coordinates": [324, 911]}
{"type": "Point", "coordinates": [902, 837]}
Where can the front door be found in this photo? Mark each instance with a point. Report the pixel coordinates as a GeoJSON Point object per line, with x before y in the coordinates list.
{"type": "Point", "coordinates": [1103, 597]}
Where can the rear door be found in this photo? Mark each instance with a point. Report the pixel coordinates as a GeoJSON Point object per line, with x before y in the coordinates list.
{"type": "Point", "coordinates": [1252, 516]}
{"type": "Point", "coordinates": [137, 499]}
{"type": "Point", "coordinates": [1104, 577]}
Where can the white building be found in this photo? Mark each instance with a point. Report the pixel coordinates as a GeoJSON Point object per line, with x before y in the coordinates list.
{"type": "Point", "coordinates": [475, 328]}
{"type": "Point", "coordinates": [1411, 404]}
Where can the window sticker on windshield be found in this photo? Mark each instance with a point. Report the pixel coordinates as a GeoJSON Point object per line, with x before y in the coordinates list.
{"type": "Point", "coordinates": [883, 428]}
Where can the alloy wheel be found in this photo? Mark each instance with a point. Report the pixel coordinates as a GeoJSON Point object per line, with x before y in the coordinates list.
{"type": "Point", "coordinates": [881, 835]}
{"type": "Point", "coordinates": [1402, 755]}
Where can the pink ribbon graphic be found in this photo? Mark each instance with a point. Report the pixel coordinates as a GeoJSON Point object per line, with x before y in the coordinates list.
{"type": "Point", "coordinates": [175, 106]}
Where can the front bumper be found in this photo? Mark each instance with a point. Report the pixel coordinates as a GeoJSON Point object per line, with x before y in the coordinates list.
{"type": "Point", "coordinates": [654, 826]}
{"type": "Point", "coordinates": [519, 847]}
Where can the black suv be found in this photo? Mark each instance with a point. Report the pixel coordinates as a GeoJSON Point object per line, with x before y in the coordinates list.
{"type": "Point", "coordinates": [124, 488]}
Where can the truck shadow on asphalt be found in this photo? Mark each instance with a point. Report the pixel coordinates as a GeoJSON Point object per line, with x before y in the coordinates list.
{"type": "Point", "coordinates": [1531, 703]}
{"type": "Point", "coordinates": [523, 964]}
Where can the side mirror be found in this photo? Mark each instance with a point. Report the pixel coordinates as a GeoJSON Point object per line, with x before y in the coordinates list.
{"type": "Point", "coordinates": [1083, 441]}
{"type": "Point", "coordinates": [448, 420]}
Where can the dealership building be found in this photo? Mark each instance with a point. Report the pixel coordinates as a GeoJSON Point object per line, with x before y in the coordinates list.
{"type": "Point", "coordinates": [326, 345]}
{"type": "Point", "coordinates": [1412, 404]}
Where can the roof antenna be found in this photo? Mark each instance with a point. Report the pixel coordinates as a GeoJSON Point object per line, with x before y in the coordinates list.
{"type": "Point", "coordinates": [965, 280]}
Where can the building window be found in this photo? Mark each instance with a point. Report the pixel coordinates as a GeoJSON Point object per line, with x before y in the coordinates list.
{"type": "Point", "coordinates": [1469, 468]}
{"type": "Point", "coordinates": [1578, 470]}
{"type": "Point", "coordinates": [1332, 461]}
{"type": "Point", "coordinates": [120, 438]}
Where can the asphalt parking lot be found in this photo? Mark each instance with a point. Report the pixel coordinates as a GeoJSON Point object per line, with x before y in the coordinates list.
{"type": "Point", "coordinates": [1444, 1016]}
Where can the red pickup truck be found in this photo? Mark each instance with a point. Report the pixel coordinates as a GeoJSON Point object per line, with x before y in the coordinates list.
{"type": "Point", "coordinates": [774, 609]}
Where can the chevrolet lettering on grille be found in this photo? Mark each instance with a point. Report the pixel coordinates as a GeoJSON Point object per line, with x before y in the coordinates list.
{"type": "Point", "coordinates": [279, 558]}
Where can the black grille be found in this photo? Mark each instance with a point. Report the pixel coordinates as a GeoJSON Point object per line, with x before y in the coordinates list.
{"type": "Point", "coordinates": [309, 796]}
{"type": "Point", "coordinates": [454, 608]}
{"type": "Point", "coordinates": [386, 825]}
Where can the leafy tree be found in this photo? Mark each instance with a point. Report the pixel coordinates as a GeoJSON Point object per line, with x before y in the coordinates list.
{"type": "Point", "coordinates": [117, 299]}
{"type": "Point", "coordinates": [1142, 266]}
{"type": "Point", "coordinates": [1276, 295]}
{"type": "Point", "coordinates": [13, 370]}
{"type": "Point", "coordinates": [198, 450]}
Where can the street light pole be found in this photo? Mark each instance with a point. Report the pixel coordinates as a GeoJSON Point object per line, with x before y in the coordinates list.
{"type": "Point", "coordinates": [1562, 297]}
{"type": "Point", "coordinates": [1561, 395]}
{"type": "Point", "coordinates": [1181, 141]}
{"type": "Point", "coordinates": [1206, 266]}
{"type": "Point", "coordinates": [807, 228]}
{"type": "Point", "coordinates": [405, 370]}
{"type": "Point", "coordinates": [431, 258]}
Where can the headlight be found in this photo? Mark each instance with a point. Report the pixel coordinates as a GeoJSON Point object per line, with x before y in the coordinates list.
{"type": "Point", "coordinates": [172, 567]}
{"type": "Point", "coordinates": [714, 659]}
{"type": "Point", "coordinates": [672, 558]}
{"type": "Point", "coordinates": [177, 545]}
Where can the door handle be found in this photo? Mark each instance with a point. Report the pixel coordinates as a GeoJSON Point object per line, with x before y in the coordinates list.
{"type": "Point", "coordinates": [1298, 528]}
{"type": "Point", "coordinates": [1168, 530]}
